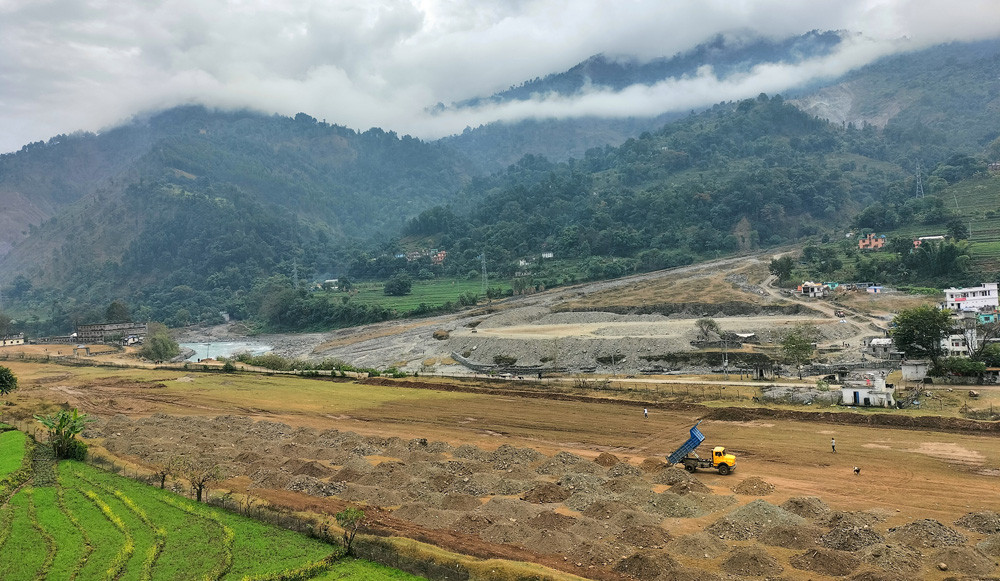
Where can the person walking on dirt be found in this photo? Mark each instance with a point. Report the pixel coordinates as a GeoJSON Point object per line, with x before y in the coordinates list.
{"type": "Point", "coordinates": [645, 413]}
{"type": "Point", "coordinates": [833, 445]}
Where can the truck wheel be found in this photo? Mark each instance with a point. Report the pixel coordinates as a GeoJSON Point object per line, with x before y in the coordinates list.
{"type": "Point", "coordinates": [690, 467]}
{"type": "Point", "coordinates": [723, 469]}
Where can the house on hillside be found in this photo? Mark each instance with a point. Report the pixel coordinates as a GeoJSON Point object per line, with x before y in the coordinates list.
{"type": "Point", "coordinates": [12, 340]}
{"type": "Point", "coordinates": [881, 348]}
{"type": "Point", "coordinates": [872, 242]}
{"type": "Point", "coordinates": [812, 289]}
{"type": "Point", "coordinates": [105, 332]}
{"type": "Point", "coordinates": [922, 239]}
{"type": "Point", "coordinates": [915, 369]}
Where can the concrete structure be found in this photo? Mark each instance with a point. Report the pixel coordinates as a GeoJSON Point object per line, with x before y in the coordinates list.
{"type": "Point", "coordinates": [813, 289]}
{"type": "Point", "coordinates": [922, 239]}
{"type": "Point", "coordinates": [869, 391]}
{"type": "Point", "coordinates": [973, 298]}
{"type": "Point", "coordinates": [915, 370]}
{"type": "Point", "coordinates": [12, 340]}
{"type": "Point", "coordinates": [880, 348]}
{"type": "Point", "coordinates": [871, 242]}
{"type": "Point", "coordinates": [104, 332]}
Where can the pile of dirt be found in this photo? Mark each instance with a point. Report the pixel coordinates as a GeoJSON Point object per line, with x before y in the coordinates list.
{"type": "Point", "coordinates": [851, 538]}
{"type": "Point", "coordinates": [751, 561]}
{"type": "Point", "coordinates": [754, 486]}
{"type": "Point", "coordinates": [990, 545]}
{"type": "Point", "coordinates": [927, 533]}
{"type": "Point", "coordinates": [749, 521]}
{"type": "Point", "coordinates": [647, 565]}
{"type": "Point", "coordinates": [806, 506]}
{"type": "Point", "coordinates": [607, 459]}
{"type": "Point", "coordinates": [551, 520]}
{"type": "Point", "coordinates": [877, 576]}
{"type": "Point", "coordinates": [672, 475]}
{"type": "Point", "coordinates": [623, 469]}
{"type": "Point", "coordinates": [507, 456]}
{"type": "Point", "coordinates": [652, 465]}
{"type": "Point", "coordinates": [826, 561]}
{"type": "Point", "coordinates": [689, 487]}
{"type": "Point", "coordinates": [604, 509]}
{"type": "Point", "coordinates": [313, 486]}
{"type": "Point", "coordinates": [698, 546]}
{"type": "Point", "coordinates": [986, 522]}
{"type": "Point", "coordinates": [791, 536]}
{"type": "Point", "coordinates": [575, 482]}
{"type": "Point", "coordinates": [963, 560]}
{"type": "Point", "coordinates": [673, 505]}
{"type": "Point", "coordinates": [565, 462]}
{"type": "Point", "coordinates": [894, 558]}
{"type": "Point", "coordinates": [546, 492]}
{"type": "Point", "coordinates": [456, 501]}
{"type": "Point", "coordinates": [644, 536]}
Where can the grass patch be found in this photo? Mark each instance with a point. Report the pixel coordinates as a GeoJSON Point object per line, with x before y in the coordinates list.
{"type": "Point", "coordinates": [11, 451]}
{"type": "Point", "coordinates": [23, 552]}
{"type": "Point", "coordinates": [357, 569]}
{"type": "Point", "coordinates": [432, 293]}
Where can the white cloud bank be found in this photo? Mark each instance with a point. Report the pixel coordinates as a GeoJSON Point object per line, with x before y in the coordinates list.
{"type": "Point", "coordinates": [84, 64]}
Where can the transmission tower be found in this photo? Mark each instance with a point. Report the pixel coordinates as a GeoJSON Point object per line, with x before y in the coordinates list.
{"type": "Point", "coordinates": [920, 183]}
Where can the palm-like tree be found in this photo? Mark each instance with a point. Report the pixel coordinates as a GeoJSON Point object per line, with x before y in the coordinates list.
{"type": "Point", "coordinates": [63, 427]}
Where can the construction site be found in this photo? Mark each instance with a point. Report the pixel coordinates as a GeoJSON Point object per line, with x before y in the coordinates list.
{"type": "Point", "coordinates": [583, 471]}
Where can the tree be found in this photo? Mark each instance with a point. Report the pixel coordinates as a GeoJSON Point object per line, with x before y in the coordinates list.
{"type": "Point", "coordinates": [706, 326]}
{"type": "Point", "coordinates": [918, 332]}
{"type": "Point", "coordinates": [349, 519]}
{"type": "Point", "coordinates": [797, 346]}
{"type": "Point", "coordinates": [8, 381]}
{"type": "Point", "coordinates": [63, 427]}
{"type": "Point", "coordinates": [158, 345]}
{"type": "Point", "coordinates": [781, 267]}
{"type": "Point", "coordinates": [117, 312]}
{"type": "Point", "coordinates": [199, 473]}
{"type": "Point", "coordinates": [399, 285]}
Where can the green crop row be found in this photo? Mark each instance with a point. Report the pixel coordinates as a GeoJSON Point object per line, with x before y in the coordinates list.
{"type": "Point", "coordinates": [96, 525]}
{"type": "Point", "coordinates": [18, 451]}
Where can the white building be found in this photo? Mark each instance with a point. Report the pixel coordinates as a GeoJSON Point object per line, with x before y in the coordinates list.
{"type": "Point", "coordinates": [871, 391]}
{"type": "Point", "coordinates": [972, 298]}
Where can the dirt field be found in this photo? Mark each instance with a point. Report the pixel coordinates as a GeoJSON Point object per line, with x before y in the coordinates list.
{"type": "Point", "coordinates": [575, 485]}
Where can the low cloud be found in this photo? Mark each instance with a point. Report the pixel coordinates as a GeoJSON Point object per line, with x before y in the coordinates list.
{"type": "Point", "coordinates": [68, 65]}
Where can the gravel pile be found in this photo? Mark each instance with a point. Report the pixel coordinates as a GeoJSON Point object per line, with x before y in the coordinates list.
{"type": "Point", "coordinates": [546, 492]}
{"type": "Point", "coordinates": [565, 462]}
{"type": "Point", "coordinates": [672, 475]}
{"type": "Point", "coordinates": [893, 558]}
{"type": "Point", "coordinates": [826, 561]}
{"type": "Point", "coordinates": [877, 576]}
{"type": "Point", "coordinates": [507, 456]}
{"type": "Point", "coordinates": [458, 501]}
{"type": "Point", "coordinates": [550, 520]}
{"type": "Point", "coordinates": [849, 519]}
{"type": "Point", "coordinates": [986, 522]}
{"type": "Point", "coordinates": [964, 560]}
{"type": "Point", "coordinates": [646, 536]}
{"type": "Point", "coordinates": [653, 465]}
{"type": "Point", "coordinates": [851, 538]}
{"type": "Point", "coordinates": [607, 459]}
{"type": "Point", "coordinates": [698, 546]}
{"type": "Point", "coordinates": [314, 486]}
{"type": "Point", "coordinates": [806, 506]}
{"type": "Point", "coordinates": [754, 486]}
{"type": "Point", "coordinates": [749, 521]}
{"type": "Point", "coordinates": [689, 487]}
{"type": "Point", "coordinates": [791, 536]}
{"type": "Point", "coordinates": [990, 545]}
{"type": "Point", "coordinates": [673, 505]}
{"type": "Point", "coordinates": [647, 565]}
{"type": "Point", "coordinates": [751, 561]}
{"type": "Point", "coordinates": [576, 482]}
{"type": "Point", "coordinates": [927, 533]}
{"type": "Point", "coordinates": [623, 469]}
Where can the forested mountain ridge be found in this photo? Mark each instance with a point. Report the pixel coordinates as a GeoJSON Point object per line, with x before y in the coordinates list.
{"type": "Point", "coordinates": [191, 212]}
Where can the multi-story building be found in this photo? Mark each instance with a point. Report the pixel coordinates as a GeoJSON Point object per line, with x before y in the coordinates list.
{"type": "Point", "coordinates": [973, 298]}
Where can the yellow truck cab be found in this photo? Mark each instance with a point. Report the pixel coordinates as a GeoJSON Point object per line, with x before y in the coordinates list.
{"type": "Point", "coordinates": [724, 463]}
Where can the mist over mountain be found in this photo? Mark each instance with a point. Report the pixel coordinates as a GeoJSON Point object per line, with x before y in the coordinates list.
{"type": "Point", "coordinates": [188, 212]}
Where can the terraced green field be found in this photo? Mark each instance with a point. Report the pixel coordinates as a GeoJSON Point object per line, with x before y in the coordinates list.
{"type": "Point", "coordinates": [92, 524]}
{"type": "Point", "coordinates": [432, 293]}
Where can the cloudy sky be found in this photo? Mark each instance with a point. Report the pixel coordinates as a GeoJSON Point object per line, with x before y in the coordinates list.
{"type": "Point", "coordinates": [69, 65]}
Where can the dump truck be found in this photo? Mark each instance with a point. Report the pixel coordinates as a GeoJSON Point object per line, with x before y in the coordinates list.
{"type": "Point", "coordinates": [724, 463]}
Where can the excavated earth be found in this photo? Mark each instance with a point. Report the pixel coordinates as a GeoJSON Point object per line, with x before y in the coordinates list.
{"type": "Point", "coordinates": [601, 518]}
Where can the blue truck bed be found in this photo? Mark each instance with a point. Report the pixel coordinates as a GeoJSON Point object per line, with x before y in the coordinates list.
{"type": "Point", "coordinates": [696, 438]}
